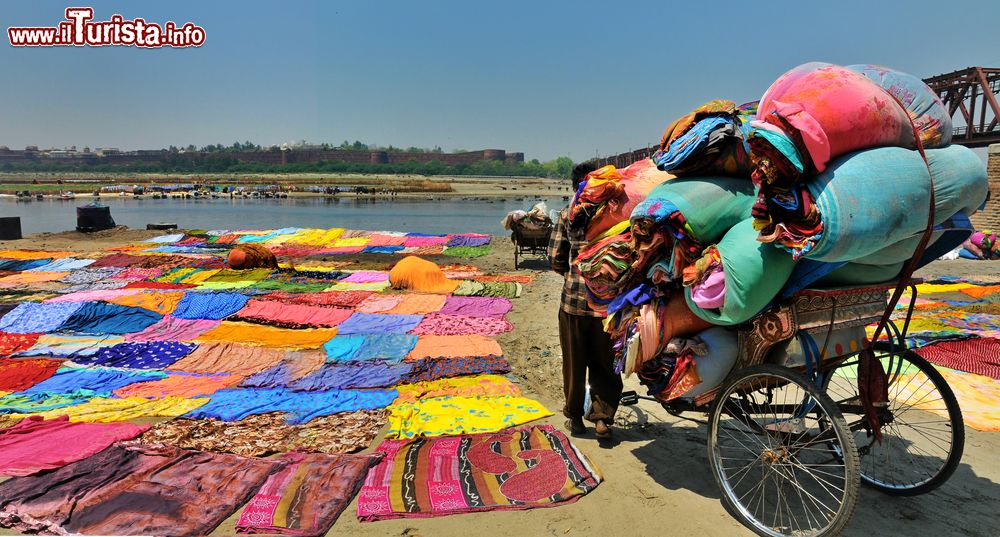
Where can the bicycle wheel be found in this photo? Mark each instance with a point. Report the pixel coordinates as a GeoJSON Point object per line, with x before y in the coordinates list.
{"type": "Point", "coordinates": [776, 457]}
{"type": "Point", "coordinates": [923, 435]}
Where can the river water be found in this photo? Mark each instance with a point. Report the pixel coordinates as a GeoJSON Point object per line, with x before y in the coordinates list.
{"type": "Point", "coordinates": [443, 215]}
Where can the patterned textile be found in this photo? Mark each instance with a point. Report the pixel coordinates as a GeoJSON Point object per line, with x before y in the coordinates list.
{"type": "Point", "coordinates": [471, 473]}
{"type": "Point", "coordinates": [90, 275]}
{"type": "Point", "coordinates": [468, 386]}
{"type": "Point", "coordinates": [95, 380]}
{"type": "Point", "coordinates": [265, 434]}
{"type": "Point", "coordinates": [104, 318]}
{"type": "Point", "coordinates": [974, 355]}
{"type": "Point", "coordinates": [978, 397]}
{"type": "Point", "coordinates": [58, 345]}
{"type": "Point", "coordinates": [564, 247]}
{"type": "Point", "coordinates": [449, 325]}
{"type": "Point", "coordinates": [170, 328]}
{"type": "Point", "coordinates": [18, 375]}
{"type": "Point", "coordinates": [477, 288]}
{"type": "Point", "coordinates": [360, 375]}
{"type": "Point", "coordinates": [231, 358]}
{"type": "Point", "coordinates": [472, 306]}
{"type": "Point", "coordinates": [439, 368]}
{"type": "Point", "coordinates": [293, 366]}
{"type": "Point", "coordinates": [29, 317]}
{"type": "Point", "coordinates": [452, 415]}
{"type": "Point", "coordinates": [145, 355]}
{"type": "Point", "coordinates": [163, 303]}
{"type": "Point", "coordinates": [102, 409]}
{"type": "Point", "coordinates": [376, 323]}
{"type": "Point", "coordinates": [15, 343]}
{"type": "Point", "coordinates": [306, 496]}
{"type": "Point", "coordinates": [236, 404]}
{"type": "Point", "coordinates": [344, 299]}
{"type": "Point", "coordinates": [135, 483]}
{"type": "Point", "coordinates": [179, 385]}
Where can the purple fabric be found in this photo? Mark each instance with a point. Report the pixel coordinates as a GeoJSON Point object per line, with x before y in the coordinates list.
{"type": "Point", "coordinates": [710, 293]}
{"type": "Point", "coordinates": [365, 375]}
{"type": "Point", "coordinates": [378, 323]}
{"type": "Point", "coordinates": [469, 240]}
{"type": "Point", "coordinates": [476, 306]}
{"type": "Point", "coordinates": [367, 276]}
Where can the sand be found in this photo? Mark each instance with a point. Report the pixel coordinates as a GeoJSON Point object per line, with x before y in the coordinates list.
{"type": "Point", "coordinates": [657, 474]}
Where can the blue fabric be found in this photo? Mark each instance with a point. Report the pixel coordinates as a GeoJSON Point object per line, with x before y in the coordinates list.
{"type": "Point", "coordinates": [30, 317]}
{"type": "Point", "coordinates": [101, 381]}
{"type": "Point", "coordinates": [105, 318]}
{"type": "Point", "coordinates": [416, 234]}
{"type": "Point", "coordinates": [382, 249]}
{"type": "Point", "coordinates": [965, 254]}
{"type": "Point", "coordinates": [29, 404]}
{"type": "Point", "coordinates": [389, 348]}
{"type": "Point", "coordinates": [367, 375]}
{"type": "Point", "coordinates": [635, 296]}
{"type": "Point", "coordinates": [783, 144]}
{"type": "Point", "coordinates": [214, 306]}
{"type": "Point", "coordinates": [236, 404]}
{"type": "Point", "coordinates": [19, 265]}
{"type": "Point", "coordinates": [806, 272]}
{"type": "Point", "coordinates": [343, 348]}
{"type": "Point", "coordinates": [145, 355]}
{"type": "Point", "coordinates": [63, 265]}
{"type": "Point", "coordinates": [378, 323]}
{"type": "Point", "coordinates": [689, 142]}
{"type": "Point", "coordinates": [267, 236]}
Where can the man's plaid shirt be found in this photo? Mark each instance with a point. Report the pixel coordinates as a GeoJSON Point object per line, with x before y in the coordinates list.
{"type": "Point", "coordinates": [564, 245]}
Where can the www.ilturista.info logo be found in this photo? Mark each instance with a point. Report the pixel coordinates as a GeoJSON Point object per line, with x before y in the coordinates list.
{"type": "Point", "coordinates": [79, 30]}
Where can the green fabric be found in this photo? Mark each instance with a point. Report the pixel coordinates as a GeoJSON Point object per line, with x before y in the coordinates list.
{"type": "Point", "coordinates": [291, 287]}
{"type": "Point", "coordinates": [755, 273]}
{"type": "Point", "coordinates": [859, 274]}
{"type": "Point", "coordinates": [466, 251]}
{"type": "Point", "coordinates": [710, 205]}
{"type": "Point", "coordinates": [495, 289]}
{"type": "Point", "coordinates": [783, 144]}
{"type": "Point", "coordinates": [234, 276]}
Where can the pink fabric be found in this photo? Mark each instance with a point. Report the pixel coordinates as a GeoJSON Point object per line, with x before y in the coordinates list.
{"type": "Point", "coordinates": [295, 314]}
{"type": "Point", "coordinates": [710, 293]}
{"type": "Point", "coordinates": [367, 276]}
{"type": "Point", "coordinates": [836, 111]}
{"type": "Point", "coordinates": [454, 325]}
{"type": "Point", "coordinates": [137, 274]}
{"type": "Point", "coordinates": [34, 444]}
{"type": "Point", "coordinates": [89, 296]}
{"type": "Point", "coordinates": [379, 303]}
{"type": "Point", "coordinates": [382, 239]}
{"type": "Point", "coordinates": [639, 178]}
{"type": "Point", "coordinates": [419, 242]}
{"type": "Point", "coordinates": [476, 306]}
{"type": "Point", "coordinates": [173, 329]}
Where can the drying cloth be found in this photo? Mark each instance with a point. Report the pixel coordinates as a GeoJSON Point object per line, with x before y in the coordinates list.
{"type": "Point", "coordinates": [351, 286]}
{"type": "Point", "coordinates": [90, 275]}
{"type": "Point", "coordinates": [13, 265]}
{"type": "Point", "coordinates": [416, 274]}
{"type": "Point", "coordinates": [105, 410]}
{"type": "Point", "coordinates": [32, 254]}
{"type": "Point", "coordinates": [155, 285]}
{"type": "Point", "coordinates": [473, 306]}
{"type": "Point", "coordinates": [291, 315]}
{"type": "Point", "coordinates": [978, 397]}
{"type": "Point", "coordinates": [170, 328]}
{"type": "Point", "coordinates": [163, 303]}
{"type": "Point", "coordinates": [515, 469]}
{"type": "Point", "coordinates": [97, 380]}
{"type": "Point", "coordinates": [413, 303]}
{"type": "Point", "coordinates": [18, 375]}
{"type": "Point", "coordinates": [198, 277]}
{"type": "Point", "coordinates": [231, 358]}
{"type": "Point", "coordinates": [422, 250]}
{"type": "Point", "coordinates": [466, 251]}
{"type": "Point", "coordinates": [293, 366]}
{"type": "Point", "coordinates": [471, 386]}
{"type": "Point", "coordinates": [236, 404]}
{"type": "Point", "coordinates": [27, 278]}
{"type": "Point", "coordinates": [382, 249]}
{"type": "Point", "coordinates": [268, 433]}
{"type": "Point", "coordinates": [448, 325]}
{"type": "Point", "coordinates": [31, 404]}
{"type": "Point", "coordinates": [306, 496]}
{"type": "Point", "coordinates": [344, 299]}
{"type": "Point", "coordinates": [135, 484]}
{"type": "Point", "coordinates": [441, 416]}
{"type": "Point", "coordinates": [138, 274]}
{"type": "Point", "coordinates": [179, 385]}
{"type": "Point", "coordinates": [209, 305]}
{"type": "Point", "coordinates": [347, 242]}
{"type": "Point", "coordinates": [67, 264]}
{"type": "Point", "coordinates": [269, 336]}
{"type": "Point", "coordinates": [420, 242]}
{"type": "Point", "coordinates": [61, 346]}
{"type": "Point", "coordinates": [343, 348]}
{"type": "Point", "coordinates": [15, 343]}
{"type": "Point", "coordinates": [504, 289]}
{"type": "Point", "coordinates": [145, 355]}
{"type": "Point", "coordinates": [31, 317]}
{"type": "Point", "coordinates": [238, 276]}
{"type": "Point", "coordinates": [439, 368]}
{"type": "Point", "coordinates": [366, 375]}
{"type": "Point", "coordinates": [385, 239]}
{"type": "Point", "coordinates": [366, 276]}
{"type": "Point", "coordinates": [379, 303]}
{"type": "Point", "coordinates": [36, 444]}
{"type": "Point", "coordinates": [974, 355]}
{"type": "Point", "coordinates": [104, 318]}
{"type": "Point", "coordinates": [375, 323]}
{"type": "Point", "coordinates": [469, 240]}
{"type": "Point", "coordinates": [96, 286]}
{"type": "Point", "coordinates": [467, 346]}
{"type": "Point", "coordinates": [93, 295]}
{"type": "Point", "coordinates": [388, 348]}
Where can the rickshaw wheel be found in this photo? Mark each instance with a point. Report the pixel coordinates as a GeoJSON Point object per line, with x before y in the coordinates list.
{"type": "Point", "coordinates": [924, 434]}
{"type": "Point", "coordinates": [775, 445]}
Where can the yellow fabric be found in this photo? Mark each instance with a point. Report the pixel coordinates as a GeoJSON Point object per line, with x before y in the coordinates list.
{"type": "Point", "coordinates": [351, 241]}
{"type": "Point", "coordinates": [416, 274]}
{"type": "Point", "coordinates": [160, 302]}
{"type": "Point", "coordinates": [617, 229]}
{"type": "Point", "coordinates": [316, 237]}
{"type": "Point", "coordinates": [931, 288]}
{"type": "Point", "coordinates": [469, 386]}
{"type": "Point", "coordinates": [105, 410]}
{"type": "Point", "coordinates": [22, 278]}
{"type": "Point", "coordinates": [978, 397]}
{"type": "Point", "coordinates": [461, 415]}
{"type": "Point", "coordinates": [176, 275]}
{"type": "Point", "coordinates": [28, 255]}
{"type": "Point", "coordinates": [200, 276]}
{"type": "Point", "coordinates": [353, 286]}
{"type": "Point", "coordinates": [268, 336]}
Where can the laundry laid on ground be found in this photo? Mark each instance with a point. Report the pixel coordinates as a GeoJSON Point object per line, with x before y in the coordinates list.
{"type": "Point", "coordinates": [155, 373]}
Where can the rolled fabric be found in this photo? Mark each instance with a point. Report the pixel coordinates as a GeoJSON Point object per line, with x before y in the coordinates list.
{"type": "Point", "coordinates": [860, 274]}
{"type": "Point", "coordinates": [708, 141]}
{"type": "Point", "coordinates": [930, 116]}
{"type": "Point", "coordinates": [416, 274]}
{"type": "Point", "coordinates": [607, 196]}
{"type": "Point", "coordinates": [754, 272]}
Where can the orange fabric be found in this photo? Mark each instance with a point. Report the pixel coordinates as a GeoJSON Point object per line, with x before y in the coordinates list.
{"type": "Point", "coordinates": [980, 291]}
{"type": "Point", "coordinates": [22, 278]}
{"type": "Point", "coordinates": [683, 123]}
{"type": "Point", "coordinates": [161, 302]}
{"type": "Point", "coordinates": [431, 346]}
{"type": "Point", "coordinates": [250, 256]}
{"type": "Point", "coordinates": [32, 254]}
{"type": "Point", "coordinates": [180, 386]}
{"type": "Point", "coordinates": [420, 275]}
{"type": "Point", "coordinates": [218, 358]}
{"type": "Point", "coordinates": [268, 336]}
{"type": "Point", "coordinates": [417, 304]}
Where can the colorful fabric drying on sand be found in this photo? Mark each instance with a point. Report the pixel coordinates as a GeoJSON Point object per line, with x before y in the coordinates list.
{"type": "Point", "coordinates": [519, 468]}
{"type": "Point", "coordinates": [35, 444]}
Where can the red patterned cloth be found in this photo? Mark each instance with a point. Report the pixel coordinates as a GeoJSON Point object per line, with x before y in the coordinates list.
{"type": "Point", "coordinates": [975, 355]}
{"type": "Point", "coordinates": [18, 375]}
{"type": "Point", "coordinates": [14, 343]}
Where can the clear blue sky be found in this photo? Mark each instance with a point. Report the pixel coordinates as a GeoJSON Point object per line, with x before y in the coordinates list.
{"type": "Point", "coordinates": [548, 78]}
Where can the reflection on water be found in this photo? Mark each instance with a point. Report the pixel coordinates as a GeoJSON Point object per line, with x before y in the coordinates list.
{"type": "Point", "coordinates": [443, 215]}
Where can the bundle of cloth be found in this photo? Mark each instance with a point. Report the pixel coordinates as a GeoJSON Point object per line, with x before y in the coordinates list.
{"type": "Point", "coordinates": [605, 198]}
{"type": "Point", "coordinates": [711, 140]}
{"type": "Point", "coordinates": [536, 218]}
{"type": "Point", "coordinates": [981, 245]}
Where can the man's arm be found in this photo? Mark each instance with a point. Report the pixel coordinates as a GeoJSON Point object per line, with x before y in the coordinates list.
{"type": "Point", "coordinates": [559, 247]}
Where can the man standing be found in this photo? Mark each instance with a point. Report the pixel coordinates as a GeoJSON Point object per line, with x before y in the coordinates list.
{"type": "Point", "coordinates": [586, 348]}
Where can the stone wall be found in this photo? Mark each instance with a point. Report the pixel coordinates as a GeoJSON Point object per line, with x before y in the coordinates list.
{"type": "Point", "coordinates": [989, 218]}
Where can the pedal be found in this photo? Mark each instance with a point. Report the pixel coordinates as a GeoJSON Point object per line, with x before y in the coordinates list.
{"type": "Point", "coordinates": [629, 398]}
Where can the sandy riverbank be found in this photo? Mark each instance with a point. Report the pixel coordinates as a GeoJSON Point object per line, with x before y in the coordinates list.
{"type": "Point", "coordinates": [657, 474]}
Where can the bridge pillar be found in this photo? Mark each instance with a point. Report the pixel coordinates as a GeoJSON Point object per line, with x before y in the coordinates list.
{"type": "Point", "coordinates": [989, 217]}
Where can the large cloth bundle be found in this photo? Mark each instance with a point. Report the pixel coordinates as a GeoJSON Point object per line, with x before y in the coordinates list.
{"type": "Point", "coordinates": [930, 116]}
{"type": "Point", "coordinates": [754, 274]}
{"type": "Point", "coordinates": [692, 213]}
{"type": "Point", "coordinates": [834, 111]}
{"type": "Point", "coordinates": [871, 200]}
{"type": "Point", "coordinates": [608, 268]}
{"type": "Point", "coordinates": [607, 196]}
{"type": "Point", "coordinates": [711, 140]}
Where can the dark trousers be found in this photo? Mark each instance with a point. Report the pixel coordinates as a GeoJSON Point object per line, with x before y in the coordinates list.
{"type": "Point", "coordinates": [586, 347]}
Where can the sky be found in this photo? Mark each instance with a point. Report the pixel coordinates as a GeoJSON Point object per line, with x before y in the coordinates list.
{"type": "Point", "coordinates": [548, 78]}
